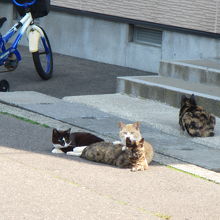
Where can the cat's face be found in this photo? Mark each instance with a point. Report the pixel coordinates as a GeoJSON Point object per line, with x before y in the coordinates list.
{"type": "Point", "coordinates": [61, 138]}
{"type": "Point", "coordinates": [185, 101]}
{"type": "Point", "coordinates": [131, 131]}
{"type": "Point", "coordinates": [135, 147]}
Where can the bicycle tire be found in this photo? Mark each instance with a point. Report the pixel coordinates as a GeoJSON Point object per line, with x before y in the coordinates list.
{"type": "Point", "coordinates": [4, 85]}
{"type": "Point", "coordinates": [44, 73]}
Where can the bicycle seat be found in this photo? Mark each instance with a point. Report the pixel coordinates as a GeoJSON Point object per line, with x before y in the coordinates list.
{"type": "Point", "coordinates": [2, 21]}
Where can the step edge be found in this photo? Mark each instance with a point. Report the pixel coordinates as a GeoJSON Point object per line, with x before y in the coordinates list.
{"type": "Point", "coordinates": [194, 66]}
{"type": "Point", "coordinates": [172, 88]}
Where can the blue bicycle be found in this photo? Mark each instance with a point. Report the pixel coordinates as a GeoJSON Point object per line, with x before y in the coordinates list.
{"type": "Point", "coordinates": [39, 44]}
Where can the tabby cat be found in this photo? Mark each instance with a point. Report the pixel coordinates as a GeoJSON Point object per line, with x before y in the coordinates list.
{"type": "Point", "coordinates": [104, 152]}
{"type": "Point", "coordinates": [194, 119]}
{"type": "Point", "coordinates": [137, 155]}
{"type": "Point", "coordinates": [65, 141]}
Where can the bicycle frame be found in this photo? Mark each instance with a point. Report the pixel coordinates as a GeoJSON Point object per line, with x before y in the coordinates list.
{"type": "Point", "coordinates": [24, 24]}
{"type": "Point", "coordinates": [39, 45]}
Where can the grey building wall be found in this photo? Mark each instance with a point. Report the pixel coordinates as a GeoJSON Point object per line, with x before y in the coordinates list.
{"type": "Point", "coordinates": [100, 40]}
{"type": "Point", "coordinates": [6, 11]}
{"type": "Point", "coordinates": [108, 42]}
{"type": "Point", "coordinates": [199, 15]}
{"type": "Point", "coordinates": [179, 46]}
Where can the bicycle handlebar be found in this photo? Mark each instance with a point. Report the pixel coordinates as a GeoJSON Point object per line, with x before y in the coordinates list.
{"type": "Point", "coordinates": [26, 4]}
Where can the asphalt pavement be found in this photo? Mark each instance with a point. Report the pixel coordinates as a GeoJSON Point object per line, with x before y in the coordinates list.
{"type": "Point", "coordinates": [72, 76]}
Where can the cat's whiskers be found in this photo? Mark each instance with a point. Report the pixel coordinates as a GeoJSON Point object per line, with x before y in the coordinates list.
{"type": "Point", "coordinates": [67, 144]}
{"type": "Point", "coordinates": [61, 146]}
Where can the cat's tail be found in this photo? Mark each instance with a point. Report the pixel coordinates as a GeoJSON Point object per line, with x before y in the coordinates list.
{"type": "Point", "coordinates": [77, 151]}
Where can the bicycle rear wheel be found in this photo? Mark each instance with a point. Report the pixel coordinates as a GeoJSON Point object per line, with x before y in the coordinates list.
{"type": "Point", "coordinates": [43, 58]}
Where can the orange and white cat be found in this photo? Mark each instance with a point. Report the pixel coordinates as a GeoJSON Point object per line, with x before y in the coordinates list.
{"type": "Point", "coordinates": [132, 132]}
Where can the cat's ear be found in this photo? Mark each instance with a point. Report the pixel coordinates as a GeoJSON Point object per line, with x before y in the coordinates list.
{"type": "Point", "coordinates": [137, 125]}
{"type": "Point", "coordinates": [141, 142]}
{"type": "Point", "coordinates": [183, 100]}
{"type": "Point", "coordinates": [183, 97]}
{"type": "Point", "coordinates": [192, 99]}
{"type": "Point", "coordinates": [68, 131]}
{"type": "Point", "coordinates": [55, 131]}
{"type": "Point", "coordinates": [121, 125]}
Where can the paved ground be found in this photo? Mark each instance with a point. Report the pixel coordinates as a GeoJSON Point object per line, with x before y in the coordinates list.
{"type": "Point", "coordinates": [72, 76]}
{"type": "Point", "coordinates": [36, 184]}
{"type": "Point", "coordinates": [158, 124]}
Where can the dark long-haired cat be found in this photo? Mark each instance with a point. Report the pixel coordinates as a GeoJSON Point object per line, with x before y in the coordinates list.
{"type": "Point", "coordinates": [137, 156]}
{"type": "Point", "coordinates": [65, 141]}
{"type": "Point", "coordinates": [195, 119]}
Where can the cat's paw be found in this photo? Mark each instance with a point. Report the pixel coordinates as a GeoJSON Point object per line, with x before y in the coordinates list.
{"type": "Point", "coordinates": [79, 149]}
{"type": "Point", "coordinates": [57, 151]}
{"type": "Point", "coordinates": [123, 148]}
{"type": "Point", "coordinates": [72, 153]}
{"type": "Point", "coordinates": [134, 169]}
{"type": "Point", "coordinates": [116, 142]}
{"type": "Point", "coordinates": [142, 168]}
{"type": "Point", "coordinates": [69, 153]}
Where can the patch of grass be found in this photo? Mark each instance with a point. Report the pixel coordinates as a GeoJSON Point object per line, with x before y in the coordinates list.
{"type": "Point", "coordinates": [25, 119]}
{"type": "Point", "coordinates": [191, 174]}
{"type": "Point", "coordinates": [159, 215]}
{"type": "Point", "coordinates": [165, 217]}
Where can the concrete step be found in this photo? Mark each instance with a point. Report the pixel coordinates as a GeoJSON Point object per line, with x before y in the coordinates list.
{"type": "Point", "coordinates": [198, 71]}
{"type": "Point", "coordinates": [170, 90]}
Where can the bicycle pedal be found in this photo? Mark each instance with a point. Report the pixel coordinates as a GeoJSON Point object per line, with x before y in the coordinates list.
{"type": "Point", "coordinates": [11, 65]}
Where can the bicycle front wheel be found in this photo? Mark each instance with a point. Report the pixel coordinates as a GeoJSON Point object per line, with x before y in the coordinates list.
{"type": "Point", "coordinates": [43, 58]}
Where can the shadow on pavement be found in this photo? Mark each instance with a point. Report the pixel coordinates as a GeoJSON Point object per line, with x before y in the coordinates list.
{"type": "Point", "coordinates": [72, 76]}
{"type": "Point", "coordinates": [33, 138]}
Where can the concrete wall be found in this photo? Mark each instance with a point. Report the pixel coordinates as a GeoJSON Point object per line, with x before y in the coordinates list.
{"type": "Point", "coordinates": [199, 15]}
{"type": "Point", "coordinates": [178, 46]}
{"type": "Point", "coordinates": [100, 40]}
{"type": "Point", "coordinates": [108, 42]}
{"type": "Point", "coordinates": [6, 11]}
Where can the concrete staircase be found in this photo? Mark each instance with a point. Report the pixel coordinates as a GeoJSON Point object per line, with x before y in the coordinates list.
{"type": "Point", "coordinates": [201, 77]}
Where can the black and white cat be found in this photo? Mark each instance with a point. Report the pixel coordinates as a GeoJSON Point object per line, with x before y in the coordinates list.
{"type": "Point", "coordinates": [64, 141]}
